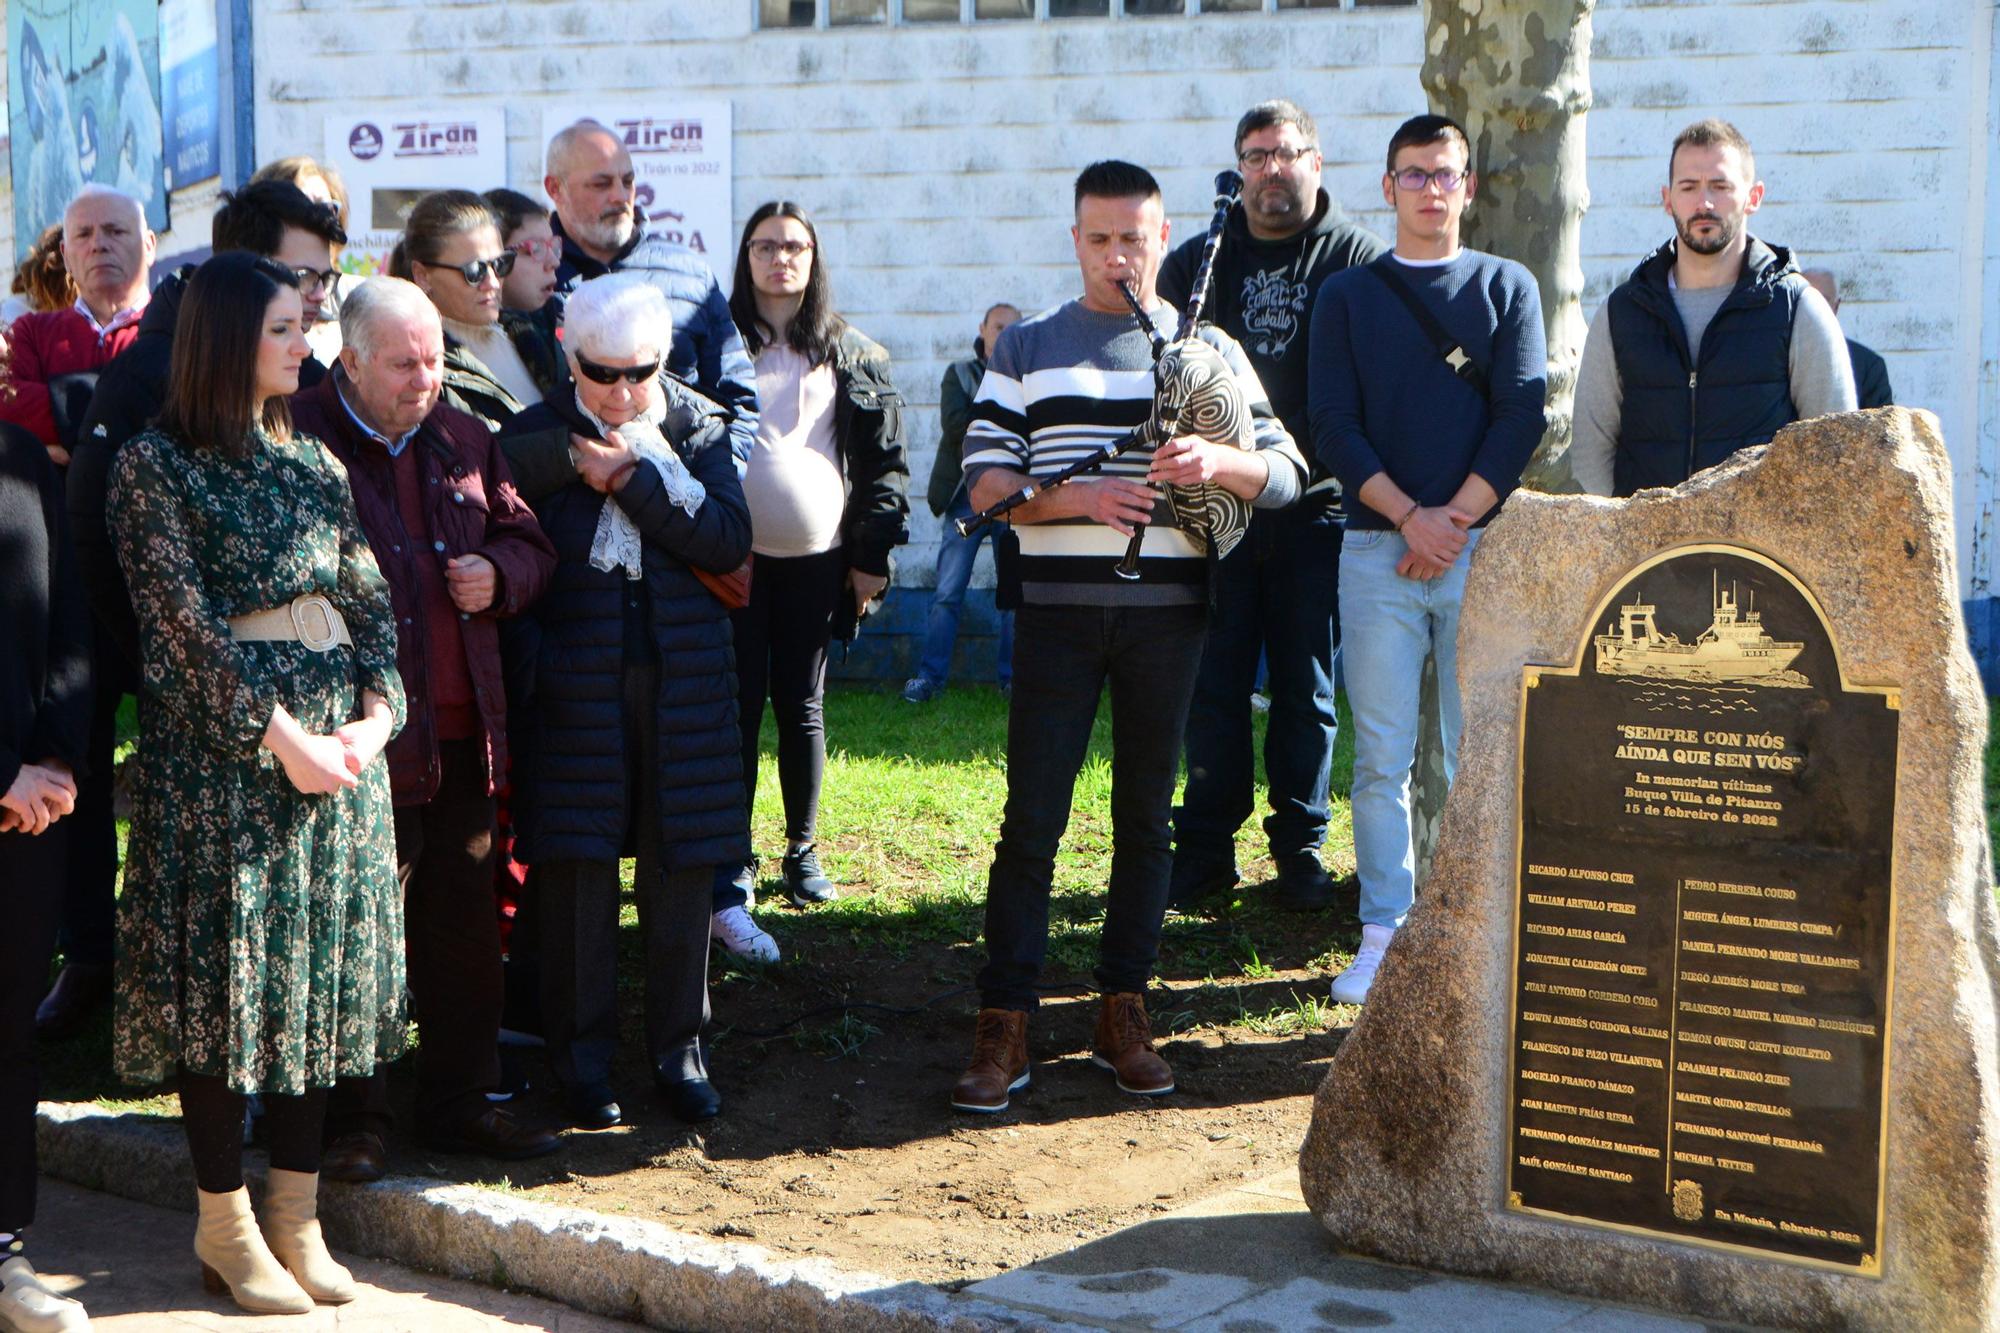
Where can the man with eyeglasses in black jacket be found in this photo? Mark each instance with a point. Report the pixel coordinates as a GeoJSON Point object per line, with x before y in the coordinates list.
{"type": "Point", "coordinates": [1277, 594]}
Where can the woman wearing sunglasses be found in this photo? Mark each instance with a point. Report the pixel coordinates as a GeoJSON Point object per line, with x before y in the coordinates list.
{"type": "Point", "coordinates": [826, 486]}
{"type": "Point", "coordinates": [635, 750]}
{"type": "Point", "coordinates": [451, 249]}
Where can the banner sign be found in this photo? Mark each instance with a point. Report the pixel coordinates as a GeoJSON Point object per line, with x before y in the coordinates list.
{"type": "Point", "coordinates": [192, 92]}
{"type": "Point", "coordinates": [681, 168]}
{"type": "Point", "coordinates": [390, 160]}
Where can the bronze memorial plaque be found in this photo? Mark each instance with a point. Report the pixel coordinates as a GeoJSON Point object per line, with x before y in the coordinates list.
{"type": "Point", "coordinates": [1705, 937]}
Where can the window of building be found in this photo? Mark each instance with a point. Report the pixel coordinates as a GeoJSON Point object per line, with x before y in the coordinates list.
{"type": "Point", "coordinates": [850, 13]}
{"type": "Point", "coordinates": [884, 13]}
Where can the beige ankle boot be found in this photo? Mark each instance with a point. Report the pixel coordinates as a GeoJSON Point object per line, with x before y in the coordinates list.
{"type": "Point", "coordinates": [291, 1225]}
{"type": "Point", "coordinates": [236, 1262]}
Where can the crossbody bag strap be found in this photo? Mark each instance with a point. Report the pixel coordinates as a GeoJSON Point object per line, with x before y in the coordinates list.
{"type": "Point", "coordinates": [1448, 347]}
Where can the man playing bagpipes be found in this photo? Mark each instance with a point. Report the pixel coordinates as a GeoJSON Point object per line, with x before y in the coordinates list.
{"type": "Point", "coordinates": [1079, 384]}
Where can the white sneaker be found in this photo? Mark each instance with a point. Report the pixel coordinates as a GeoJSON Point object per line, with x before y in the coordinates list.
{"type": "Point", "coordinates": [29, 1307]}
{"type": "Point", "coordinates": [1351, 986]}
{"type": "Point", "coordinates": [742, 937]}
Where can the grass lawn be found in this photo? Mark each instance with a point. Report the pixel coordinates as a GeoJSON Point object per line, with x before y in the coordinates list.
{"type": "Point", "coordinates": [912, 805]}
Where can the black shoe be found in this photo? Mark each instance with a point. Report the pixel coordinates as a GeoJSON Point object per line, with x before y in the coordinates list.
{"type": "Point", "coordinates": [692, 1100]}
{"type": "Point", "coordinates": [356, 1158]}
{"type": "Point", "coordinates": [591, 1106]}
{"type": "Point", "coordinates": [805, 882]}
{"type": "Point", "coordinates": [1302, 884]}
{"type": "Point", "coordinates": [496, 1134]}
{"type": "Point", "coordinates": [1195, 878]}
{"type": "Point", "coordinates": [80, 988]}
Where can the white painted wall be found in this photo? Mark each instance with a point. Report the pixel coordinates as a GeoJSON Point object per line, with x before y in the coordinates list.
{"type": "Point", "coordinates": [938, 160]}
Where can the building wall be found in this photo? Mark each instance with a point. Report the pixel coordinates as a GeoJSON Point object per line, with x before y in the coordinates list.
{"type": "Point", "coordinates": [937, 160]}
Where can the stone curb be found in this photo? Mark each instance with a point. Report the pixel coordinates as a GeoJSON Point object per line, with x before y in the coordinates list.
{"type": "Point", "coordinates": [620, 1267]}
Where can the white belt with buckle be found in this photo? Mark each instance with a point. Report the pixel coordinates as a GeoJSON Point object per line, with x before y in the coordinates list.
{"type": "Point", "coordinates": [311, 620]}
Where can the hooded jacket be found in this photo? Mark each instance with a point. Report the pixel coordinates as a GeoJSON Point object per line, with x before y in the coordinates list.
{"type": "Point", "coordinates": [1261, 293]}
{"type": "Point", "coordinates": [1681, 413]}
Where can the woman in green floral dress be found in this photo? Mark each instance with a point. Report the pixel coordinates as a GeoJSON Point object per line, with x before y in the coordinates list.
{"type": "Point", "coordinates": [260, 929]}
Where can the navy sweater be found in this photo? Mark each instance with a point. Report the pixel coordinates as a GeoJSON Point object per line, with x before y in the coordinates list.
{"type": "Point", "coordinates": [1383, 400]}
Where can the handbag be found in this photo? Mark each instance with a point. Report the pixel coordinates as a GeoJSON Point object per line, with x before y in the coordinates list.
{"type": "Point", "coordinates": [731, 589]}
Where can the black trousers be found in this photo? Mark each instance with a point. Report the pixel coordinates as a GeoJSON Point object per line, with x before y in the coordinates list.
{"type": "Point", "coordinates": [576, 912]}
{"type": "Point", "coordinates": [31, 893]}
{"type": "Point", "coordinates": [781, 643]}
{"type": "Point", "coordinates": [444, 858]}
{"type": "Point", "coordinates": [90, 903]}
{"type": "Point", "coordinates": [1063, 658]}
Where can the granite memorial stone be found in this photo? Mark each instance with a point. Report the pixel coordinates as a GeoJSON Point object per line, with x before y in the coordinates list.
{"type": "Point", "coordinates": [1698, 1008]}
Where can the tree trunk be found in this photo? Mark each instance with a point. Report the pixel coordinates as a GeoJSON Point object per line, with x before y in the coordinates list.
{"type": "Point", "coordinates": [1516, 74]}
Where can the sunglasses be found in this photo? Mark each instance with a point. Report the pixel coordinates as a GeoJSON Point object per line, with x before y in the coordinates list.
{"type": "Point", "coordinates": [474, 270]}
{"type": "Point", "coordinates": [597, 373]}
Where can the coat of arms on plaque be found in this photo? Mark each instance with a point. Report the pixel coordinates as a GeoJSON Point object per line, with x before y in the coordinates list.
{"type": "Point", "coordinates": [1687, 1200]}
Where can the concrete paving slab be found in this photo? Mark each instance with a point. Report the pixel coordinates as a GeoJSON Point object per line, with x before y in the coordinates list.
{"type": "Point", "coordinates": [1148, 1298]}
{"type": "Point", "coordinates": [1621, 1319]}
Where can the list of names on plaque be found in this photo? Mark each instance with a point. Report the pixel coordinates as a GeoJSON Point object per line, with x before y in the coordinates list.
{"type": "Point", "coordinates": [1705, 934]}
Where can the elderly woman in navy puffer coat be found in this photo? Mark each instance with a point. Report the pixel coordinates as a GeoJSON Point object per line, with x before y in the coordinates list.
{"type": "Point", "coordinates": [634, 748]}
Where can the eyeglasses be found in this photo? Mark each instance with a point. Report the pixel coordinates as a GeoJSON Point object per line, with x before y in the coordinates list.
{"type": "Point", "coordinates": [598, 373]}
{"type": "Point", "coordinates": [537, 247]}
{"type": "Point", "coordinates": [313, 279]}
{"type": "Point", "coordinates": [1258, 158]}
{"type": "Point", "coordinates": [1416, 178]}
{"type": "Point", "coordinates": [474, 270]}
{"type": "Point", "coordinates": [765, 251]}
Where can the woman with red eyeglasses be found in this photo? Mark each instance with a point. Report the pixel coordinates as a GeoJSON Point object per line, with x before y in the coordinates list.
{"type": "Point", "coordinates": [525, 231]}
{"type": "Point", "coordinates": [451, 249]}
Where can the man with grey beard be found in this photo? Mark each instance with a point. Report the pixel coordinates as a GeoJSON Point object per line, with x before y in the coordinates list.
{"type": "Point", "coordinates": [1712, 344]}
{"type": "Point", "coordinates": [590, 181]}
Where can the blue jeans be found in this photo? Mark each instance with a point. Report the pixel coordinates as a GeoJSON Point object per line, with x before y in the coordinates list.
{"type": "Point", "coordinates": [1277, 595]}
{"type": "Point", "coordinates": [1388, 625]}
{"type": "Point", "coordinates": [954, 572]}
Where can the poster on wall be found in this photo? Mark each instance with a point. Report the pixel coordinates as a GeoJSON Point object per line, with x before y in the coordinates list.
{"type": "Point", "coordinates": [680, 165]}
{"type": "Point", "coordinates": [390, 160]}
{"type": "Point", "coordinates": [83, 101]}
{"type": "Point", "coordinates": [191, 94]}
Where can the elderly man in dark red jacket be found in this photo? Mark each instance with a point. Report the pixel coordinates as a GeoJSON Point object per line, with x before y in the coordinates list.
{"type": "Point", "coordinates": [108, 249]}
{"type": "Point", "coordinates": [460, 551]}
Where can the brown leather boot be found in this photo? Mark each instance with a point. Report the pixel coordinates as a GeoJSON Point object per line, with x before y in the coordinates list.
{"type": "Point", "coordinates": [1124, 1045]}
{"type": "Point", "coordinates": [999, 1062]}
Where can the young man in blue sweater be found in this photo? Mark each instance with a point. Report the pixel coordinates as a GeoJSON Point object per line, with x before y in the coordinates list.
{"type": "Point", "coordinates": [1426, 453]}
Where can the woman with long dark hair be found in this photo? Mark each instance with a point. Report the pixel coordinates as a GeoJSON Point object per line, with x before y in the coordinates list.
{"type": "Point", "coordinates": [260, 931]}
{"type": "Point", "coordinates": [451, 249]}
{"type": "Point", "coordinates": [44, 733]}
{"type": "Point", "coordinates": [826, 487]}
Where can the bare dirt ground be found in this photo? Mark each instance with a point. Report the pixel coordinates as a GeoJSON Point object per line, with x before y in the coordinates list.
{"type": "Point", "coordinates": [837, 1141]}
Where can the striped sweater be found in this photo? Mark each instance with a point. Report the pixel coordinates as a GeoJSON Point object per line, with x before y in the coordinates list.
{"type": "Point", "coordinates": [1061, 385]}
